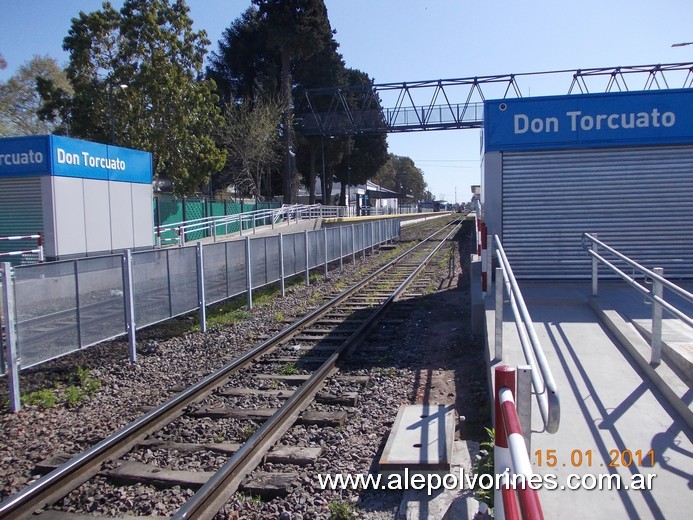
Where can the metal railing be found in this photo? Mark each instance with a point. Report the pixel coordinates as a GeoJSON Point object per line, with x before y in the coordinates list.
{"type": "Point", "coordinates": [38, 251]}
{"type": "Point", "coordinates": [55, 308]}
{"type": "Point", "coordinates": [654, 295]}
{"type": "Point", "coordinates": [180, 232]}
{"type": "Point", "coordinates": [542, 379]}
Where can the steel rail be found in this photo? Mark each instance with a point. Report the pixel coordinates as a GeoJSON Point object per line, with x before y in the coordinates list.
{"type": "Point", "coordinates": [53, 486]}
{"type": "Point", "coordinates": [211, 497]}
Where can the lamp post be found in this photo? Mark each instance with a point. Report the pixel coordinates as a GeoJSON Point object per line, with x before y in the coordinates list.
{"type": "Point", "coordinates": [322, 149]}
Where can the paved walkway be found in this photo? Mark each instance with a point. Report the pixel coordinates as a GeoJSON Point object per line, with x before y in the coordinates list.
{"type": "Point", "coordinates": [610, 407]}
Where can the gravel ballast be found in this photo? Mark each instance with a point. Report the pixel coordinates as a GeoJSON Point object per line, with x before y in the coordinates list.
{"type": "Point", "coordinates": [431, 357]}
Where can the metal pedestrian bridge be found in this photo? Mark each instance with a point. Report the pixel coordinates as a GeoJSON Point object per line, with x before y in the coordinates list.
{"type": "Point", "coordinates": [446, 104]}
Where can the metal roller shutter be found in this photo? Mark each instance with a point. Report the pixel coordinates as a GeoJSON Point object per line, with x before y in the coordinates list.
{"type": "Point", "coordinates": [638, 200]}
{"type": "Point", "coordinates": [20, 211]}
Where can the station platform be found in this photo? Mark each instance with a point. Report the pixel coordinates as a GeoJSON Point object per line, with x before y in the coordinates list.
{"type": "Point", "coordinates": [617, 416]}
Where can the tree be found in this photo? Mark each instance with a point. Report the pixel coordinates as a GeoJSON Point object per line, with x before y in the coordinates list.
{"type": "Point", "coordinates": [245, 67]}
{"type": "Point", "coordinates": [20, 101]}
{"type": "Point", "coordinates": [296, 30]}
{"type": "Point", "coordinates": [136, 75]}
{"type": "Point", "coordinates": [367, 154]}
{"type": "Point", "coordinates": [250, 135]}
{"type": "Point", "coordinates": [3, 62]}
{"type": "Point", "coordinates": [400, 174]}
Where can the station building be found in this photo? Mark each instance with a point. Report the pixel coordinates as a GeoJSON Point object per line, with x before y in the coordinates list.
{"type": "Point", "coordinates": [83, 197]}
{"type": "Point", "coordinates": [618, 165]}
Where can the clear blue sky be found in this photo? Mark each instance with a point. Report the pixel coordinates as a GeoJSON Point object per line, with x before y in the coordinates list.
{"type": "Point", "coordinates": [410, 40]}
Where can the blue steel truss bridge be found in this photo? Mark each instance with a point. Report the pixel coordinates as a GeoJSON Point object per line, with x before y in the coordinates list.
{"type": "Point", "coordinates": [446, 104]}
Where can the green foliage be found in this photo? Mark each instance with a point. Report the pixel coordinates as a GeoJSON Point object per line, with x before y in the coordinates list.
{"type": "Point", "coordinates": [20, 101]}
{"type": "Point", "coordinates": [82, 386]}
{"type": "Point", "coordinates": [223, 317]}
{"type": "Point", "coordinates": [342, 511]}
{"type": "Point", "coordinates": [136, 80]}
{"type": "Point", "coordinates": [88, 384]}
{"type": "Point", "coordinates": [249, 498]}
{"type": "Point", "coordinates": [247, 431]}
{"type": "Point", "coordinates": [386, 372]}
{"type": "Point", "coordinates": [400, 174]}
{"type": "Point", "coordinates": [73, 395]}
{"type": "Point", "coordinates": [485, 465]}
{"type": "Point", "coordinates": [289, 370]}
{"type": "Point", "coordinates": [316, 278]}
{"type": "Point", "coordinates": [44, 398]}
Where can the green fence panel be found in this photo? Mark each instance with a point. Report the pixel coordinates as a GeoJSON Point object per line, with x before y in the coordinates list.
{"type": "Point", "coordinates": [170, 210]}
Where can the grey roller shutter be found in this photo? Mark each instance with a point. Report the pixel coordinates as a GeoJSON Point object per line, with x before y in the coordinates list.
{"type": "Point", "coordinates": [20, 211]}
{"type": "Point", "coordinates": [638, 200]}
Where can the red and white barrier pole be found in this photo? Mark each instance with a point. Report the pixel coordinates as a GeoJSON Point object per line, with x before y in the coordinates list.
{"type": "Point", "coordinates": [484, 259]}
{"type": "Point", "coordinates": [521, 465]}
{"type": "Point", "coordinates": [478, 237]}
{"type": "Point", "coordinates": [511, 452]}
{"type": "Point", "coordinates": [504, 377]}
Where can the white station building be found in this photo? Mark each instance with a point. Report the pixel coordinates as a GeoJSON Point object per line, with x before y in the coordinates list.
{"type": "Point", "coordinates": [618, 165]}
{"type": "Point", "coordinates": [84, 198]}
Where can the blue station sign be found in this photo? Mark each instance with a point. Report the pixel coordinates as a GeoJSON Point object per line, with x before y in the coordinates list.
{"type": "Point", "coordinates": [589, 120]}
{"type": "Point", "coordinates": [67, 157]}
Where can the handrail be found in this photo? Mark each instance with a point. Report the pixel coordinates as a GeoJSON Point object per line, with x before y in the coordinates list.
{"type": "Point", "coordinates": [683, 293]}
{"type": "Point", "coordinates": [295, 212]}
{"type": "Point", "coordinates": [654, 295]}
{"type": "Point", "coordinates": [544, 386]}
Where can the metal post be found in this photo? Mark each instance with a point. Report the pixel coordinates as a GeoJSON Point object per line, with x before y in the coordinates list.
{"type": "Point", "coordinates": [40, 247]}
{"type": "Point", "coordinates": [353, 244]}
{"type": "Point", "coordinates": [77, 304]}
{"type": "Point", "coordinates": [201, 300]}
{"type": "Point", "coordinates": [499, 315]}
{"type": "Point", "coordinates": [363, 236]}
{"type": "Point", "coordinates": [324, 237]}
{"type": "Point", "coordinates": [595, 269]}
{"type": "Point", "coordinates": [307, 259]}
{"type": "Point", "coordinates": [129, 296]}
{"type": "Point", "coordinates": [8, 305]}
{"type": "Point", "coordinates": [341, 250]}
{"type": "Point", "coordinates": [524, 402]}
{"type": "Point", "coordinates": [281, 264]}
{"type": "Point", "coordinates": [656, 341]}
{"type": "Point", "coordinates": [248, 274]}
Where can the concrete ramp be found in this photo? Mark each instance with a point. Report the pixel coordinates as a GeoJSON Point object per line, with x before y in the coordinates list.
{"type": "Point", "coordinates": [616, 426]}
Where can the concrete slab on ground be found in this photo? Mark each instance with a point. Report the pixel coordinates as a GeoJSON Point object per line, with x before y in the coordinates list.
{"type": "Point", "coordinates": [421, 439]}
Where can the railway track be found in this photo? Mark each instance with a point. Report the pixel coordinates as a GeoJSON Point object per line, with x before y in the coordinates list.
{"type": "Point", "coordinates": [289, 371]}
